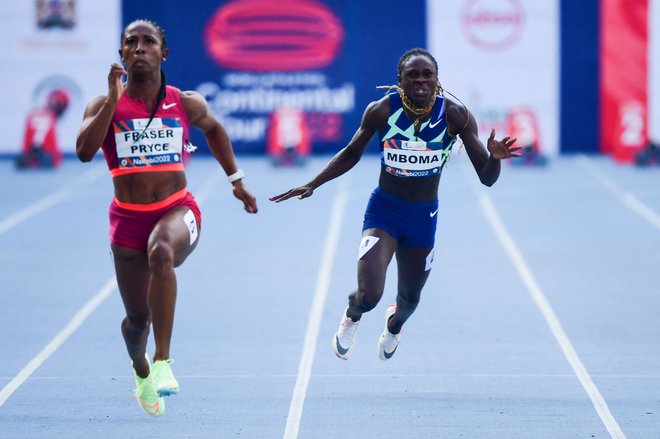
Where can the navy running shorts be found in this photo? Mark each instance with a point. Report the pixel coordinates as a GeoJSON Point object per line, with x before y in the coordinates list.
{"type": "Point", "coordinates": [412, 224]}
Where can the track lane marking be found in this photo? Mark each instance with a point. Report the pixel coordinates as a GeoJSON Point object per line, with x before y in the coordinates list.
{"type": "Point", "coordinates": [49, 201]}
{"type": "Point", "coordinates": [625, 197]}
{"type": "Point", "coordinates": [547, 311]}
{"type": "Point", "coordinates": [59, 339]}
{"type": "Point", "coordinates": [316, 314]}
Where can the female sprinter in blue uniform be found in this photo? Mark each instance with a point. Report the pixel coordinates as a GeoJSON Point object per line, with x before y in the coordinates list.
{"type": "Point", "coordinates": [155, 222]}
{"type": "Point", "coordinates": [417, 126]}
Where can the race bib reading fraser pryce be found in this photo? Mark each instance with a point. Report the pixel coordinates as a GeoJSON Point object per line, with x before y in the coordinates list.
{"type": "Point", "coordinates": [413, 159]}
{"type": "Point", "coordinates": [160, 144]}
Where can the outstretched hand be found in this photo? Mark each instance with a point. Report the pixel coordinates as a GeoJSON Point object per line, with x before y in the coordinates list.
{"type": "Point", "coordinates": [502, 149]}
{"type": "Point", "coordinates": [249, 202]}
{"type": "Point", "coordinates": [301, 192]}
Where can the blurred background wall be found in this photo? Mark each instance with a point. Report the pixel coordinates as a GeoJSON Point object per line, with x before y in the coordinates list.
{"type": "Point", "coordinates": [572, 76]}
{"type": "Point", "coordinates": [66, 45]}
{"type": "Point", "coordinates": [501, 58]}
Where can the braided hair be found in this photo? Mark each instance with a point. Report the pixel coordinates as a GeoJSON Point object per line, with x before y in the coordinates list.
{"type": "Point", "coordinates": [417, 51]}
{"type": "Point", "coordinates": [420, 112]}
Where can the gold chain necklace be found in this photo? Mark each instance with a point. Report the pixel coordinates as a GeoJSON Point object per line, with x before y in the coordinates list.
{"type": "Point", "coordinates": [412, 108]}
{"type": "Point", "coordinates": [419, 112]}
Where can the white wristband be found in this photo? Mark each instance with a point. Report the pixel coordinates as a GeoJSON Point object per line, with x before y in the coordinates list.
{"type": "Point", "coordinates": [236, 176]}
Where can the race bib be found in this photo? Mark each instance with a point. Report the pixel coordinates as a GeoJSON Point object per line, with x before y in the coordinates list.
{"type": "Point", "coordinates": [139, 145]}
{"type": "Point", "coordinates": [413, 159]}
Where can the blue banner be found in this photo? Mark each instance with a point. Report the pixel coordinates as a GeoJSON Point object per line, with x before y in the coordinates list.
{"type": "Point", "coordinates": [253, 58]}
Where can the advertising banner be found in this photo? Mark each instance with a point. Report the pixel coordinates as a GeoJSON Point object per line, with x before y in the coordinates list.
{"type": "Point", "coordinates": [257, 62]}
{"type": "Point", "coordinates": [500, 58]}
{"type": "Point", "coordinates": [624, 78]}
{"type": "Point", "coordinates": [56, 53]}
{"type": "Point", "coordinates": [654, 71]}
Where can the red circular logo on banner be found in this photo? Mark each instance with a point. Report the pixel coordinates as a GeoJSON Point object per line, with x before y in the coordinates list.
{"type": "Point", "coordinates": [273, 35]}
{"type": "Point", "coordinates": [493, 25]}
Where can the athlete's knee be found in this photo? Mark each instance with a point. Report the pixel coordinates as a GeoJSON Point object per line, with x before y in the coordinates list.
{"type": "Point", "coordinates": [365, 300]}
{"type": "Point", "coordinates": [410, 298]}
{"type": "Point", "coordinates": [135, 326]}
{"type": "Point", "coordinates": [161, 256]}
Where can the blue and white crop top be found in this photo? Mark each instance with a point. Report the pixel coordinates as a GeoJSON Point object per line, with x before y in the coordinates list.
{"type": "Point", "coordinates": [406, 154]}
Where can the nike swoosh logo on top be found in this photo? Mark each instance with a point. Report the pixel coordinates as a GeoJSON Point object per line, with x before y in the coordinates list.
{"type": "Point", "coordinates": [434, 213]}
{"type": "Point", "coordinates": [340, 349]}
{"type": "Point", "coordinates": [433, 124]}
{"type": "Point", "coordinates": [168, 106]}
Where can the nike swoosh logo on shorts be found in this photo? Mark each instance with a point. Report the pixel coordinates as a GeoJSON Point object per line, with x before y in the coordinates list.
{"type": "Point", "coordinates": [433, 124]}
{"type": "Point", "coordinates": [340, 349]}
{"type": "Point", "coordinates": [434, 213]}
{"type": "Point", "coordinates": [168, 106]}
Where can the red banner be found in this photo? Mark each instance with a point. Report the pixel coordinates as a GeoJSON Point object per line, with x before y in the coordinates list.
{"type": "Point", "coordinates": [624, 78]}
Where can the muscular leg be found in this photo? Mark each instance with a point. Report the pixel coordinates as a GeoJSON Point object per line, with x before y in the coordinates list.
{"type": "Point", "coordinates": [132, 278]}
{"type": "Point", "coordinates": [147, 285]}
{"type": "Point", "coordinates": [412, 276]}
{"type": "Point", "coordinates": [169, 245]}
{"type": "Point", "coordinates": [372, 268]}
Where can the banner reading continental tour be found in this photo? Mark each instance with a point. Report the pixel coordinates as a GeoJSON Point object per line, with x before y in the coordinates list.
{"type": "Point", "coordinates": [255, 60]}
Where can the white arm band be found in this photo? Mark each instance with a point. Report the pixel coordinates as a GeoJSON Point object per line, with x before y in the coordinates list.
{"type": "Point", "coordinates": [236, 176]}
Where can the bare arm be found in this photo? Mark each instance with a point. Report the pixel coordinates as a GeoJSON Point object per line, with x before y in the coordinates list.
{"type": "Point", "coordinates": [98, 115]}
{"type": "Point", "coordinates": [375, 115]}
{"type": "Point", "coordinates": [219, 143]}
{"type": "Point", "coordinates": [485, 159]}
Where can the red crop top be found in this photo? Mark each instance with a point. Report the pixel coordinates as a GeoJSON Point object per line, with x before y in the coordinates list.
{"type": "Point", "coordinates": [131, 146]}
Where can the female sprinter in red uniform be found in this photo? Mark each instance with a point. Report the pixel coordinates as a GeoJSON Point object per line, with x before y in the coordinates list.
{"type": "Point", "coordinates": [142, 126]}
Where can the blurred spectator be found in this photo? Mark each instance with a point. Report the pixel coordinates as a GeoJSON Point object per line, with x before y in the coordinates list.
{"type": "Point", "coordinates": [288, 137]}
{"type": "Point", "coordinates": [649, 156]}
{"type": "Point", "coordinates": [40, 147]}
{"type": "Point", "coordinates": [522, 124]}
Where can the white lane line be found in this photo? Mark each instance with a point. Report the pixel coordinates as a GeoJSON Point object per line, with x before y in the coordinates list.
{"type": "Point", "coordinates": [316, 314]}
{"type": "Point", "coordinates": [58, 340]}
{"type": "Point", "coordinates": [49, 200]}
{"type": "Point", "coordinates": [550, 317]}
{"type": "Point", "coordinates": [270, 376]}
{"type": "Point", "coordinates": [83, 313]}
{"type": "Point", "coordinates": [626, 198]}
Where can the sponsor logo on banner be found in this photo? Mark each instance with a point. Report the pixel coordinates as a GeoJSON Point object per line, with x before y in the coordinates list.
{"type": "Point", "coordinates": [272, 35]}
{"type": "Point", "coordinates": [52, 14]}
{"type": "Point", "coordinates": [271, 53]}
{"type": "Point", "coordinates": [493, 25]}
